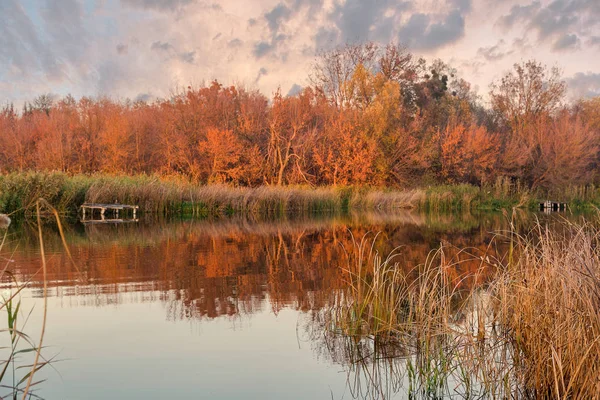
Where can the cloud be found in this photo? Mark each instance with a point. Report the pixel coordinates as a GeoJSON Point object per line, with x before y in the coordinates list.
{"type": "Point", "coordinates": [86, 47]}
{"type": "Point", "coordinates": [519, 13]}
{"type": "Point", "coordinates": [462, 5]}
{"type": "Point", "coordinates": [235, 43]}
{"type": "Point", "coordinates": [276, 20]}
{"type": "Point", "coordinates": [421, 33]}
{"type": "Point", "coordinates": [354, 18]}
{"type": "Point", "coordinates": [142, 97]}
{"type": "Point", "coordinates": [122, 49]}
{"type": "Point", "coordinates": [21, 49]}
{"type": "Point", "coordinates": [162, 46]}
{"type": "Point", "coordinates": [551, 20]}
{"type": "Point", "coordinates": [188, 57]}
{"type": "Point", "coordinates": [262, 48]}
{"type": "Point", "coordinates": [563, 22]}
{"type": "Point", "coordinates": [294, 90]}
{"type": "Point", "coordinates": [594, 41]}
{"type": "Point", "coordinates": [325, 39]}
{"type": "Point", "coordinates": [159, 5]}
{"type": "Point", "coordinates": [280, 13]}
{"type": "Point", "coordinates": [494, 53]}
{"type": "Point", "coordinates": [166, 47]}
{"type": "Point", "coordinates": [566, 42]}
{"type": "Point", "coordinates": [385, 20]}
{"type": "Point", "coordinates": [50, 42]}
{"type": "Point", "coordinates": [584, 85]}
{"type": "Point", "coordinates": [261, 72]}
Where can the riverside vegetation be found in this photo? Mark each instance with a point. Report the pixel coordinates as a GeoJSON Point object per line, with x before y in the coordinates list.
{"type": "Point", "coordinates": [528, 326]}
{"type": "Point", "coordinates": [372, 115]}
{"type": "Point", "coordinates": [163, 196]}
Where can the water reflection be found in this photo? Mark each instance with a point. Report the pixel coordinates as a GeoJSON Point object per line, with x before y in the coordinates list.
{"type": "Point", "coordinates": [229, 266]}
{"type": "Point", "coordinates": [202, 269]}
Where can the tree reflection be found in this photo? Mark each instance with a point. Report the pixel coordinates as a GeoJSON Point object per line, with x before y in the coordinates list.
{"type": "Point", "coordinates": [230, 266]}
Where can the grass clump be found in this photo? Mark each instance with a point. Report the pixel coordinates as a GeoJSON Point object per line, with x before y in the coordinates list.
{"type": "Point", "coordinates": [449, 198]}
{"type": "Point", "coordinates": [527, 324]}
{"type": "Point", "coordinates": [377, 199]}
{"type": "Point", "coordinates": [20, 191]}
{"type": "Point", "coordinates": [550, 308]}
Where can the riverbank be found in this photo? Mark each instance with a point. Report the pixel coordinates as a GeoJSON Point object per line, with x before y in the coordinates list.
{"type": "Point", "coordinates": [159, 195]}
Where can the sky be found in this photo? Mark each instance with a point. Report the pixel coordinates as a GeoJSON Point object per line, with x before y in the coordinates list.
{"type": "Point", "coordinates": [149, 49]}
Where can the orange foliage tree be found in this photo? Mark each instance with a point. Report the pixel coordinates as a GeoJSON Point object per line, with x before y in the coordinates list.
{"type": "Point", "coordinates": [342, 155]}
{"type": "Point", "coordinates": [374, 115]}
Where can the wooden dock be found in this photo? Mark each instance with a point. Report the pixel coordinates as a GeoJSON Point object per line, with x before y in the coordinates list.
{"type": "Point", "coordinates": [550, 206]}
{"type": "Point", "coordinates": [109, 221]}
{"type": "Point", "coordinates": [112, 209]}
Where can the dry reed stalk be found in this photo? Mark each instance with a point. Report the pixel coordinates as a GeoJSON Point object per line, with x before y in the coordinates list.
{"type": "Point", "coordinates": [532, 330]}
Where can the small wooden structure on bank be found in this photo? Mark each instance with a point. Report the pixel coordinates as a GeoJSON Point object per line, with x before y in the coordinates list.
{"type": "Point", "coordinates": [549, 206]}
{"type": "Point", "coordinates": [109, 221]}
{"type": "Point", "coordinates": [112, 209]}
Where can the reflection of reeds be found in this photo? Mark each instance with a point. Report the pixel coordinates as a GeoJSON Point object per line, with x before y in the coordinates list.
{"type": "Point", "coordinates": [532, 330]}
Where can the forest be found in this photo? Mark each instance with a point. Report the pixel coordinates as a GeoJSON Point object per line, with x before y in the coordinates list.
{"type": "Point", "coordinates": [372, 115]}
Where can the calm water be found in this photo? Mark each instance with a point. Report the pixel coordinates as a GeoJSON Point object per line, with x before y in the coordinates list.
{"type": "Point", "coordinates": [216, 309]}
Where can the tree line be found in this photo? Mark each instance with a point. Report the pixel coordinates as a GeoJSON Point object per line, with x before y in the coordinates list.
{"type": "Point", "coordinates": [372, 115]}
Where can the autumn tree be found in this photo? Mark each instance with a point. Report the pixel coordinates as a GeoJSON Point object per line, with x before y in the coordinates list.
{"type": "Point", "coordinates": [374, 115]}
{"type": "Point", "coordinates": [467, 153]}
{"type": "Point", "coordinates": [334, 69]}
{"type": "Point", "coordinates": [343, 156]}
{"type": "Point", "coordinates": [521, 99]}
{"type": "Point", "coordinates": [568, 153]}
{"type": "Point", "coordinates": [291, 127]}
{"type": "Point", "coordinates": [114, 139]}
{"type": "Point", "coordinates": [224, 151]}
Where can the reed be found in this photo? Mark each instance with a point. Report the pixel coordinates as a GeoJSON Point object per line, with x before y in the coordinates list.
{"type": "Point", "coordinates": [20, 191]}
{"type": "Point", "coordinates": [550, 307]}
{"type": "Point", "coordinates": [168, 195]}
{"type": "Point", "coordinates": [450, 198]}
{"type": "Point", "coordinates": [23, 354]}
{"type": "Point", "coordinates": [529, 326]}
{"type": "Point", "coordinates": [376, 199]}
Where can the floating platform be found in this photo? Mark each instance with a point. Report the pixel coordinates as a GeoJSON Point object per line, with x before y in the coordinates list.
{"type": "Point", "coordinates": [112, 209]}
{"type": "Point", "coordinates": [550, 206]}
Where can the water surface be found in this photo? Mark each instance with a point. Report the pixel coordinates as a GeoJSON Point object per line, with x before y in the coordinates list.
{"type": "Point", "coordinates": [219, 309]}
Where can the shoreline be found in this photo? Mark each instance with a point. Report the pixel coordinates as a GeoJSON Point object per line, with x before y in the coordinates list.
{"type": "Point", "coordinates": [166, 196]}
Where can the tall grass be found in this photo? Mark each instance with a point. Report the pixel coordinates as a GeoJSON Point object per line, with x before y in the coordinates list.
{"type": "Point", "coordinates": [167, 195]}
{"type": "Point", "coordinates": [375, 199]}
{"type": "Point", "coordinates": [17, 353]}
{"type": "Point", "coordinates": [525, 328]}
{"type": "Point", "coordinates": [20, 191]}
{"type": "Point", "coordinates": [550, 308]}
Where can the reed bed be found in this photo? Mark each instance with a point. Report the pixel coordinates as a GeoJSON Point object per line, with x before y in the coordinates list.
{"type": "Point", "coordinates": [159, 195]}
{"type": "Point", "coordinates": [550, 307]}
{"type": "Point", "coordinates": [527, 327]}
{"type": "Point", "coordinates": [387, 200]}
{"type": "Point", "coordinates": [168, 195]}
{"type": "Point", "coordinates": [164, 195]}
